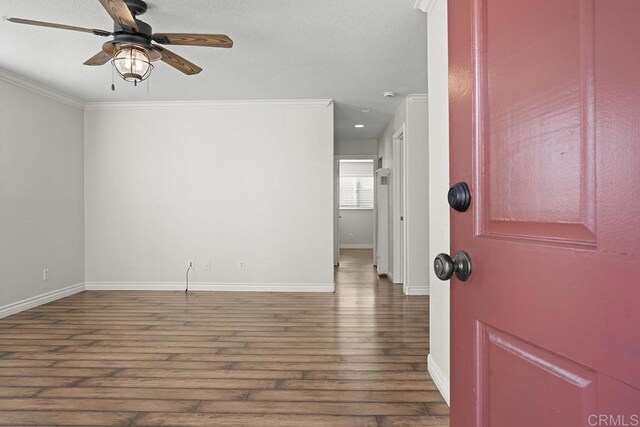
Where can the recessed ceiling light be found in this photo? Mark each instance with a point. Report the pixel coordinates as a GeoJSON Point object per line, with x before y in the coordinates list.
{"type": "Point", "coordinates": [359, 126]}
{"type": "Point", "coordinates": [366, 111]}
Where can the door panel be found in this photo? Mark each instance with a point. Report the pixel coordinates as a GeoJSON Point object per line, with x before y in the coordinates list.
{"type": "Point", "coordinates": [545, 127]}
{"type": "Point", "coordinates": [535, 132]}
{"type": "Point", "coordinates": [558, 390]}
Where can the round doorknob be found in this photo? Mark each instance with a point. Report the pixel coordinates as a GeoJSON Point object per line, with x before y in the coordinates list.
{"type": "Point", "coordinates": [445, 267]}
{"type": "Point", "coordinates": [459, 197]}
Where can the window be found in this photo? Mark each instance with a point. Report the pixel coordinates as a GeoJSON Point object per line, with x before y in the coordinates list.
{"type": "Point", "coordinates": [356, 184]}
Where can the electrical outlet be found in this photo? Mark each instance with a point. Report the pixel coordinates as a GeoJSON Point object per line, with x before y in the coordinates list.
{"type": "Point", "coordinates": [242, 265]}
{"type": "Point", "coordinates": [45, 274]}
{"type": "Point", "coordinates": [207, 266]}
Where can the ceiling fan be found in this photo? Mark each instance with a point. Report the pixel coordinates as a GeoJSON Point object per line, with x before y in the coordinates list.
{"type": "Point", "coordinates": [132, 50]}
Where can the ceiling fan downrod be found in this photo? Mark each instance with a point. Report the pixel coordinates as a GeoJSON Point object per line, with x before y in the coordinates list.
{"type": "Point", "coordinates": [137, 7]}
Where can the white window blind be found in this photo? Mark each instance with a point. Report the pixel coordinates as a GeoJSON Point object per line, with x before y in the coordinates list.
{"type": "Point", "coordinates": [356, 184]}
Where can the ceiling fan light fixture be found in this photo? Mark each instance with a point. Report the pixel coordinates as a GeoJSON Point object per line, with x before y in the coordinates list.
{"type": "Point", "coordinates": [132, 63]}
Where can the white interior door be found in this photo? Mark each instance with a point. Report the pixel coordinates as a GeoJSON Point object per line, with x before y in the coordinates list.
{"type": "Point", "coordinates": [336, 212]}
{"type": "Point", "coordinates": [398, 217]}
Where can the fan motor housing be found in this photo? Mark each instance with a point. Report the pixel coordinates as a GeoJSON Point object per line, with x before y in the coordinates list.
{"type": "Point", "coordinates": [137, 7]}
{"type": "Point", "coordinates": [140, 37]}
{"type": "Point", "coordinates": [144, 31]}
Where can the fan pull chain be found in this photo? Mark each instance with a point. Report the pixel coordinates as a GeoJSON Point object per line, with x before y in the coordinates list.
{"type": "Point", "coordinates": [113, 79]}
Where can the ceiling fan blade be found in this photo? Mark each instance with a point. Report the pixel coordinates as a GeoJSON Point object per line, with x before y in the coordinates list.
{"type": "Point", "coordinates": [109, 48]}
{"type": "Point", "coordinates": [177, 62]}
{"type": "Point", "coordinates": [97, 32]}
{"type": "Point", "coordinates": [120, 13]}
{"type": "Point", "coordinates": [187, 39]}
{"type": "Point", "coordinates": [99, 58]}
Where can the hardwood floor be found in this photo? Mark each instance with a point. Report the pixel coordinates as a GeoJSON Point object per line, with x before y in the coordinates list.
{"type": "Point", "coordinates": [353, 358]}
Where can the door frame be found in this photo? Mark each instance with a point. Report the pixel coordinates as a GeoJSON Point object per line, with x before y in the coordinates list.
{"type": "Point", "coordinates": [439, 210]}
{"type": "Point", "coordinates": [336, 200]}
{"type": "Point", "coordinates": [399, 198]}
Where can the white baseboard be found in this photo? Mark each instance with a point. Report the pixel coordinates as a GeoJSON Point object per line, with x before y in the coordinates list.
{"type": "Point", "coordinates": [420, 289]}
{"type": "Point", "coordinates": [210, 287]}
{"type": "Point", "coordinates": [391, 279]}
{"type": "Point", "coordinates": [135, 286]}
{"type": "Point", "coordinates": [32, 302]}
{"type": "Point", "coordinates": [356, 246]}
{"type": "Point", "coordinates": [440, 380]}
{"type": "Point", "coordinates": [382, 273]}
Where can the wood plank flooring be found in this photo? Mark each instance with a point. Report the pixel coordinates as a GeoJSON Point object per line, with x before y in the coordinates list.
{"type": "Point", "coordinates": [353, 358]}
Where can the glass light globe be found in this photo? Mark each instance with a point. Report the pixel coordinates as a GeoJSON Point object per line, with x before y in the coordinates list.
{"type": "Point", "coordinates": [132, 63]}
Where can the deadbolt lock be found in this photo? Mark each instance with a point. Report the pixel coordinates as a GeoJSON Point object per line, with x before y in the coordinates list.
{"type": "Point", "coordinates": [459, 197]}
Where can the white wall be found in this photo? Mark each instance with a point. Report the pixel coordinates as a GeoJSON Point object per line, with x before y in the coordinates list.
{"type": "Point", "coordinates": [356, 228]}
{"type": "Point", "coordinates": [359, 147]}
{"type": "Point", "coordinates": [213, 182]}
{"type": "Point", "coordinates": [385, 145]}
{"type": "Point", "coordinates": [417, 196]}
{"type": "Point", "coordinates": [413, 113]}
{"type": "Point", "coordinates": [41, 194]}
{"type": "Point", "coordinates": [438, 187]}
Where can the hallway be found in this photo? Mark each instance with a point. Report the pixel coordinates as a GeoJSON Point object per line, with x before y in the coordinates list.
{"type": "Point", "coordinates": [353, 358]}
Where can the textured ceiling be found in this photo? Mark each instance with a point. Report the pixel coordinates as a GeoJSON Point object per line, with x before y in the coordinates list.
{"type": "Point", "coordinates": [347, 50]}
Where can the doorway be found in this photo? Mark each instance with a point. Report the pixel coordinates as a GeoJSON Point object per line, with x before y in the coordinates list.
{"type": "Point", "coordinates": [355, 204]}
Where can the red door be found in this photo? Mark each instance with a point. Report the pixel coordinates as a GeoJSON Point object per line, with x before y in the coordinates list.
{"type": "Point", "coordinates": [545, 129]}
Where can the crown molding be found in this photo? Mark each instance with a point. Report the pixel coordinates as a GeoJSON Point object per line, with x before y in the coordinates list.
{"type": "Point", "coordinates": [418, 98]}
{"type": "Point", "coordinates": [164, 105]}
{"type": "Point", "coordinates": [156, 105]}
{"type": "Point", "coordinates": [425, 5]}
{"type": "Point", "coordinates": [41, 89]}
